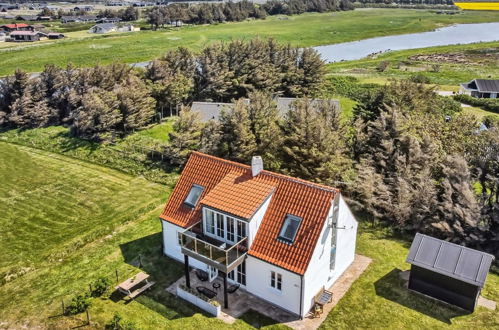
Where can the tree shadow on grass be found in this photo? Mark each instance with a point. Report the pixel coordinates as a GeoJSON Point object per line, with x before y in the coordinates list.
{"type": "Point", "coordinates": [146, 254]}
{"type": "Point", "coordinates": [394, 288]}
{"type": "Point", "coordinates": [68, 142]}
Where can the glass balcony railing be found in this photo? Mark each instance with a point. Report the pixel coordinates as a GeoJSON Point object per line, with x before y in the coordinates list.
{"type": "Point", "coordinates": [219, 254]}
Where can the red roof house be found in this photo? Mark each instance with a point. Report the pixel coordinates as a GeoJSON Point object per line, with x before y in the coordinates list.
{"type": "Point", "coordinates": [280, 238]}
{"type": "Point", "coordinates": [16, 27]}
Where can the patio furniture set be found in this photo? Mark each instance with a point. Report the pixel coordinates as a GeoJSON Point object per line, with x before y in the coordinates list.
{"type": "Point", "coordinates": [203, 277]}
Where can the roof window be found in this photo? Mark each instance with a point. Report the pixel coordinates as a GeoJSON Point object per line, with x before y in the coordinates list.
{"type": "Point", "coordinates": [193, 196]}
{"type": "Point", "coordinates": [289, 228]}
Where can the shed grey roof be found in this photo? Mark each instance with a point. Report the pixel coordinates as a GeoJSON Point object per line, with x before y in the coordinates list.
{"type": "Point", "coordinates": [456, 261]}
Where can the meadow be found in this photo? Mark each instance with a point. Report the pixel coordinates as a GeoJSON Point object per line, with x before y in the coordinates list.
{"type": "Point", "coordinates": [300, 30]}
{"type": "Point", "coordinates": [446, 66]}
{"type": "Point", "coordinates": [103, 220]}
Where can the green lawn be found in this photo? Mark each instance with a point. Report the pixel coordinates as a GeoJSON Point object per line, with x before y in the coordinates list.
{"type": "Point", "coordinates": [300, 30]}
{"type": "Point", "coordinates": [131, 154]}
{"type": "Point", "coordinates": [378, 300]}
{"type": "Point", "coordinates": [482, 59]}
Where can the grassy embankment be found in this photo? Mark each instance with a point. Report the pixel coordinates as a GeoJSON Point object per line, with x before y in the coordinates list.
{"type": "Point", "coordinates": [138, 154]}
{"type": "Point", "coordinates": [300, 30]}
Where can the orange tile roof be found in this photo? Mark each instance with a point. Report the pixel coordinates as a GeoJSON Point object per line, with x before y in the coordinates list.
{"type": "Point", "coordinates": [239, 192]}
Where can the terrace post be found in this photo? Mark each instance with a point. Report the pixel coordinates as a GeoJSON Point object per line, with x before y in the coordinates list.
{"type": "Point", "coordinates": [226, 295]}
{"type": "Point", "coordinates": [186, 265]}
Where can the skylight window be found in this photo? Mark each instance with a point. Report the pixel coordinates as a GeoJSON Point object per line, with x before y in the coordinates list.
{"type": "Point", "coordinates": [193, 196]}
{"type": "Point", "coordinates": [290, 228]}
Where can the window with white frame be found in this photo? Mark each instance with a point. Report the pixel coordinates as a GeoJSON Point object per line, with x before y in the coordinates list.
{"type": "Point", "coordinates": [231, 229]}
{"type": "Point", "coordinates": [194, 195]}
{"type": "Point", "coordinates": [224, 227]}
{"type": "Point", "coordinates": [289, 228]}
{"type": "Point", "coordinates": [210, 221]}
{"type": "Point", "coordinates": [276, 280]}
{"type": "Point", "coordinates": [239, 274]}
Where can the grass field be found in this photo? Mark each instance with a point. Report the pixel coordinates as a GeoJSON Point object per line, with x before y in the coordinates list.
{"type": "Point", "coordinates": [300, 30]}
{"type": "Point", "coordinates": [59, 201]}
{"type": "Point", "coordinates": [473, 61]}
{"type": "Point", "coordinates": [378, 300]}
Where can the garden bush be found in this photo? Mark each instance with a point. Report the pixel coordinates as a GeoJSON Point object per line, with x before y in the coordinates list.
{"type": "Point", "coordinates": [117, 323]}
{"type": "Point", "coordinates": [79, 304]}
{"type": "Point", "coordinates": [100, 286]}
{"type": "Point", "coordinates": [420, 79]}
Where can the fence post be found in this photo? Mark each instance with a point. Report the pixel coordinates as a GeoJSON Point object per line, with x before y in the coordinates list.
{"type": "Point", "coordinates": [90, 286]}
{"type": "Point", "coordinates": [63, 309]}
{"type": "Point", "coordinates": [88, 318]}
{"type": "Point", "coordinates": [117, 276]}
{"type": "Point", "coordinates": [140, 261]}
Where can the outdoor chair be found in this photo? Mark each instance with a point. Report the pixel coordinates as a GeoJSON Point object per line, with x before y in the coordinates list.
{"type": "Point", "coordinates": [202, 275]}
{"type": "Point", "coordinates": [233, 288]}
{"type": "Point", "coordinates": [206, 292]}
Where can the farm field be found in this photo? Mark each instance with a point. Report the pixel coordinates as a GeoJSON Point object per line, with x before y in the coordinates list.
{"type": "Point", "coordinates": [300, 30]}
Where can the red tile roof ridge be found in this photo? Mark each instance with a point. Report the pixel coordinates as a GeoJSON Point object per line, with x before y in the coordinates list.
{"type": "Point", "coordinates": [270, 173]}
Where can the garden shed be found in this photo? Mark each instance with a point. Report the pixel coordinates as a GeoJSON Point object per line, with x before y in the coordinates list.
{"type": "Point", "coordinates": [447, 271]}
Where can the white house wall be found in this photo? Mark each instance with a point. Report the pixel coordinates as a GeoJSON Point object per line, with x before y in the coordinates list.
{"type": "Point", "coordinates": [318, 273]}
{"type": "Point", "coordinates": [258, 283]}
{"type": "Point", "coordinates": [171, 247]}
{"type": "Point", "coordinates": [256, 220]}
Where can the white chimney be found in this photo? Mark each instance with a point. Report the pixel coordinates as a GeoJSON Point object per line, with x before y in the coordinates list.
{"type": "Point", "coordinates": [256, 165]}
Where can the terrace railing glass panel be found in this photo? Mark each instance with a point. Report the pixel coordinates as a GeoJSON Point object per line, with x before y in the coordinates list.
{"type": "Point", "coordinates": [218, 254]}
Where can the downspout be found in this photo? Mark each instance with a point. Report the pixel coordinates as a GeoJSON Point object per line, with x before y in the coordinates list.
{"type": "Point", "coordinates": [162, 237]}
{"type": "Point", "coordinates": [301, 298]}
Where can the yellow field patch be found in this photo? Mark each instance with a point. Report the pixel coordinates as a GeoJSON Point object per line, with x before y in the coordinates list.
{"type": "Point", "coordinates": [478, 5]}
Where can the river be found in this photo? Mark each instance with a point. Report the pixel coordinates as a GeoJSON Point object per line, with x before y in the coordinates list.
{"type": "Point", "coordinates": [450, 35]}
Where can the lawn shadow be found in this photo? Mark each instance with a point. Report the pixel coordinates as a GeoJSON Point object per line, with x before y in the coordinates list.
{"type": "Point", "coordinates": [146, 254]}
{"type": "Point", "coordinates": [392, 287]}
{"type": "Point", "coordinates": [257, 320]}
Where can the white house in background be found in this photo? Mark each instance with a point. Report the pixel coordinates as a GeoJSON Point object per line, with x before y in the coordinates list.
{"type": "Point", "coordinates": [112, 27]}
{"type": "Point", "coordinates": [481, 88]}
{"type": "Point", "coordinates": [282, 239]}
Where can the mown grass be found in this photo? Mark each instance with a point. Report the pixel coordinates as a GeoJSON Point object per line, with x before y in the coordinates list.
{"type": "Point", "coordinates": [300, 30]}
{"type": "Point", "coordinates": [137, 154]}
{"type": "Point", "coordinates": [379, 300]}
{"type": "Point", "coordinates": [483, 65]}
{"type": "Point", "coordinates": [52, 207]}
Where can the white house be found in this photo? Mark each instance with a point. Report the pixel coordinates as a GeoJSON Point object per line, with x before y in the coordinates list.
{"type": "Point", "coordinates": [282, 239]}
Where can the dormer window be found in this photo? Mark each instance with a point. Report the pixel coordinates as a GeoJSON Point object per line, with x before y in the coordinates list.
{"type": "Point", "coordinates": [289, 228]}
{"type": "Point", "coordinates": [193, 196]}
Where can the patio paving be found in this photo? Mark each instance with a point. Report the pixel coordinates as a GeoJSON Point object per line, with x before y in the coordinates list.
{"type": "Point", "coordinates": [241, 301]}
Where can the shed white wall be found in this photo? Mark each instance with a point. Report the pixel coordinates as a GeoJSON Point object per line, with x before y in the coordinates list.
{"type": "Point", "coordinates": [256, 220]}
{"type": "Point", "coordinates": [318, 273]}
{"type": "Point", "coordinates": [258, 283]}
{"type": "Point", "coordinates": [171, 247]}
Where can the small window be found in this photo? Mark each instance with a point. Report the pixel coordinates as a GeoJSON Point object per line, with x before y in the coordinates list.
{"type": "Point", "coordinates": [289, 228]}
{"type": "Point", "coordinates": [276, 281]}
{"type": "Point", "coordinates": [193, 196]}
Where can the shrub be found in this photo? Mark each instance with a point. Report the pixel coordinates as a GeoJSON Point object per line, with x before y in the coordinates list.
{"type": "Point", "coordinates": [383, 65]}
{"type": "Point", "coordinates": [487, 104]}
{"type": "Point", "coordinates": [420, 78]}
{"type": "Point", "coordinates": [117, 323]}
{"type": "Point", "coordinates": [79, 304]}
{"type": "Point", "coordinates": [100, 286]}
